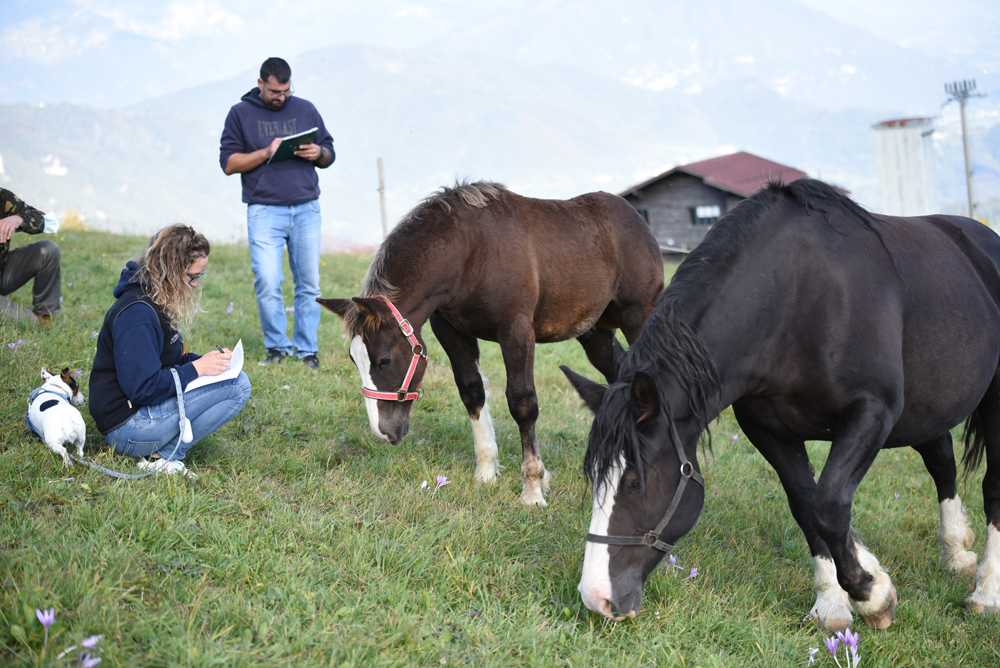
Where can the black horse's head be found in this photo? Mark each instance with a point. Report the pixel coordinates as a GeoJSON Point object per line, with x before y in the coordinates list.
{"type": "Point", "coordinates": [390, 364]}
{"type": "Point", "coordinates": [640, 461]}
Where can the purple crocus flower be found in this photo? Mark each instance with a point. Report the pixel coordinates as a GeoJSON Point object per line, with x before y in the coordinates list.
{"type": "Point", "coordinates": [673, 561]}
{"type": "Point", "coordinates": [94, 335]}
{"type": "Point", "coordinates": [693, 575]}
{"type": "Point", "coordinates": [229, 309]}
{"type": "Point", "coordinates": [831, 644]}
{"type": "Point", "coordinates": [76, 374]}
{"type": "Point", "coordinates": [812, 655]}
{"type": "Point", "coordinates": [289, 309]}
{"type": "Point", "coordinates": [87, 662]}
{"type": "Point", "coordinates": [441, 482]}
{"type": "Point", "coordinates": [91, 642]}
{"type": "Point", "coordinates": [423, 485]}
{"type": "Point", "coordinates": [46, 617]}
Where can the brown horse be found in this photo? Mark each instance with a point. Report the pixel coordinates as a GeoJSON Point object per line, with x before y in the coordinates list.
{"type": "Point", "coordinates": [484, 263]}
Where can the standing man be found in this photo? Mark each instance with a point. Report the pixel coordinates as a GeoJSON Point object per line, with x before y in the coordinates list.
{"type": "Point", "coordinates": [38, 260]}
{"type": "Point", "coordinates": [283, 205]}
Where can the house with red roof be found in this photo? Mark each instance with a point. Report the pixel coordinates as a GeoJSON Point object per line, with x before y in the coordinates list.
{"type": "Point", "coordinates": [683, 203]}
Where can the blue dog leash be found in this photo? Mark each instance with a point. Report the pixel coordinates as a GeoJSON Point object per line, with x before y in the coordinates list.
{"type": "Point", "coordinates": [163, 462]}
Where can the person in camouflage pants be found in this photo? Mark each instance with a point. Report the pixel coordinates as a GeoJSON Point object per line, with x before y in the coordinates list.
{"type": "Point", "coordinates": [38, 260]}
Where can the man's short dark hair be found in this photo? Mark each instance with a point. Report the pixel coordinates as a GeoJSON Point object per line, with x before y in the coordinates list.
{"type": "Point", "coordinates": [277, 68]}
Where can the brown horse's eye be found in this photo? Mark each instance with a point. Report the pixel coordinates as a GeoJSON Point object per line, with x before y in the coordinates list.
{"type": "Point", "coordinates": [384, 362]}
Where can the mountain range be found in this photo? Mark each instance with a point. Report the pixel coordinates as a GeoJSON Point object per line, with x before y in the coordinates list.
{"type": "Point", "coordinates": [552, 98]}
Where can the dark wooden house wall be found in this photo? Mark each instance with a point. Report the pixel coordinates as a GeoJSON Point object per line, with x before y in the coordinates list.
{"type": "Point", "coordinates": [667, 206]}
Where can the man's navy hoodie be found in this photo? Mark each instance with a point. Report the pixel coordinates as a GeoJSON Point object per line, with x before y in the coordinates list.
{"type": "Point", "coordinates": [251, 125]}
{"type": "Point", "coordinates": [135, 350]}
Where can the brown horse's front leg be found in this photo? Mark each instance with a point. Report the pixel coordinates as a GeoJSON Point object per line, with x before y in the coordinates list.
{"type": "Point", "coordinates": [518, 348]}
{"type": "Point", "coordinates": [463, 351]}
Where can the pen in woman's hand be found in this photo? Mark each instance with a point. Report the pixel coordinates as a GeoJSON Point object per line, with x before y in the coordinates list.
{"type": "Point", "coordinates": [220, 348]}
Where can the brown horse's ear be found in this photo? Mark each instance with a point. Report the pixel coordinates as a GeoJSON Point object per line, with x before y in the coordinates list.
{"type": "Point", "coordinates": [375, 311]}
{"type": "Point", "coordinates": [338, 306]}
{"type": "Point", "coordinates": [592, 393]}
{"type": "Point", "coordinates": [645, 397]}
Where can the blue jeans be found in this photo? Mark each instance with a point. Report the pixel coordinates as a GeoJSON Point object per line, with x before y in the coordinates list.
{"type": "Point", "coordinates": [270, 228]}
{"type": "Point", "coordinates": [154, 429]}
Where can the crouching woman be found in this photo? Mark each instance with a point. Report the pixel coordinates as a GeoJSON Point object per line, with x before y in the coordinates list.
{"type": "Point", "coordinates": [133, 398]}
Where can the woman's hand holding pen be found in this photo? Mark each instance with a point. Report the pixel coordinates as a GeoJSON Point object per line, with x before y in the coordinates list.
{"type": "Point", "coordinates": [214, 362]}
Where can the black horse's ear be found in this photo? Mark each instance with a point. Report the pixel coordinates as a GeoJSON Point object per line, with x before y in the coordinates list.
{"type": "Point", "coordinates": [592, 393]}
{"type": "Point", "coordinates": [645, 396]}
{"type": "Point", "coordinates": [338, 306]}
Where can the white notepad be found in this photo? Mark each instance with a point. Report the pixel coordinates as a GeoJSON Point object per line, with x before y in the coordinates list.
{"type": "Point", "coordinates": [234, 370]}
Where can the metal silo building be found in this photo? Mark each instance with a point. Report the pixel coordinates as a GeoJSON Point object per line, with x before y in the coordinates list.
{"type": "Point", "coordinates": [905, 149]}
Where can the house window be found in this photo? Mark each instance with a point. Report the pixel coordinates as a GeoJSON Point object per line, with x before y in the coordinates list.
{"type": "Point", "coordinates": [705, 216]}
{"type": "Point", "coordinates": [645, 214]}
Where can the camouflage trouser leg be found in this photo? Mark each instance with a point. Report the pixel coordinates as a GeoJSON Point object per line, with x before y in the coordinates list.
{"type": "Point", "coordinates": [38, 261]}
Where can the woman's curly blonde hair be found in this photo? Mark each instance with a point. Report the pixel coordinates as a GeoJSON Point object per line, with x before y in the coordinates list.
{"type": "Point", "coordinates": [162, 272]}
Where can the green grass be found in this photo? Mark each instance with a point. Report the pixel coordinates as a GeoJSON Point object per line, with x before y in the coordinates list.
{"type": "Point", "coordinates": [306, 542]}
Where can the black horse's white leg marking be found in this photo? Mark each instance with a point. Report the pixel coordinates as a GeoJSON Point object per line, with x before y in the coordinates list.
{"type": "Point", "coordinates": [859, 436]}
{"type": "Point", "coordinates": [986, 597]}
{"type": "Point", "coordinates": [832, 609]}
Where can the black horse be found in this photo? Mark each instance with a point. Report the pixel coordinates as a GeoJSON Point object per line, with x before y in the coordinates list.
{"type": "Point", "coordinates": [815, 320]}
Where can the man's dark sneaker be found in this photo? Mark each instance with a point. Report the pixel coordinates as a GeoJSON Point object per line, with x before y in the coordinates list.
{"type": "Point", "coordinates": [274, 356]}
{"type": "Point", "coordinates": [311, 361]}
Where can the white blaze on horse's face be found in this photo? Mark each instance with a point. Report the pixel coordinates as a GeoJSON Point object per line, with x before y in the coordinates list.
{"type": "Point", "coordinates": [595, 584]}
{"type": "Point", "coordinates": [359, 354]}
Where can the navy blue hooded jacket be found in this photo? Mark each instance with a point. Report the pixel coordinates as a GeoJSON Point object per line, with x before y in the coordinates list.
{"type": "Point", "coordinates": [135, 350]}
{"type": "Point", "coordinates": [251, 126]}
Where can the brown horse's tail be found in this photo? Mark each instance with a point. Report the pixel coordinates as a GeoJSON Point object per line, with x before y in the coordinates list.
{"type": "Point", "coordinates": [975, 444]}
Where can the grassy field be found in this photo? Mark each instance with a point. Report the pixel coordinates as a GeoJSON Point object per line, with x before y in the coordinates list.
{"type": "Point", "coordinates": [304, 541]}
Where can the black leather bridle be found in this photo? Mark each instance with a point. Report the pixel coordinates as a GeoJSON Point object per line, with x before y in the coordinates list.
{"type": "Point", "coordinates": [652, 538]}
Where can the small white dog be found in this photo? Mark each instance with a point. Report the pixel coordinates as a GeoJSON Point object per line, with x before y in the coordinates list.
{"type": "Point", "coordinates": [51, 413]}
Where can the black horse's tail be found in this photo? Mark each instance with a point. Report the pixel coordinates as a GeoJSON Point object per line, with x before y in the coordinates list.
{"type": "Point", "coordinates": [975, 444]}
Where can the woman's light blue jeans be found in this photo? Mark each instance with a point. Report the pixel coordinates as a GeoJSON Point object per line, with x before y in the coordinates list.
{"type": "Point", "coordinates": [269, 229]}
{"type": "Point", "coordinates": [154, 429]}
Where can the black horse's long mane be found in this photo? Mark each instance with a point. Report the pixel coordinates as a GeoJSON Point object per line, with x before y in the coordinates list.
{"type": "Point", "coordinates": [477, 194]}
{"type": "Point", "coordinates": [669, 345]}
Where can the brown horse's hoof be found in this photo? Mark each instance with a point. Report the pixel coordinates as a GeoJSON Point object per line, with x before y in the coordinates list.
{"type": "Point", "coordinates": [880, 621]}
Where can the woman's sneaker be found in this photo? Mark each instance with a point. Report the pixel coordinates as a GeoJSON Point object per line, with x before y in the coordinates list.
{"type": "Point", "coordinates": [170, 467]}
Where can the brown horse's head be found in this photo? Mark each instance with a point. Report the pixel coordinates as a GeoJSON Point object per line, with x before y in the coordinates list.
{"type": "Point", "coordinates": [383, 356]}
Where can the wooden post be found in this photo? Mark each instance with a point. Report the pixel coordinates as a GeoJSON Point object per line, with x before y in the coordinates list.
{"type": "Point", "coordinates": [381, 197]}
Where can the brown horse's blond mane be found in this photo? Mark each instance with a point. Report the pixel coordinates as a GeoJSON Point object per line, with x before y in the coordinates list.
{"type": "Point", "coordinates": [375, 283]}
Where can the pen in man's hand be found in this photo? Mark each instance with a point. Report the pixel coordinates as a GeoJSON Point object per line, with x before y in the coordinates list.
{"type": "Point", "coordinates": [220, 348]}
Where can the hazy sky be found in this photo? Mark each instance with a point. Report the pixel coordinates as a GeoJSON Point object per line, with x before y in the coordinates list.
{"type": "Point", "coordinates": [81, 38]}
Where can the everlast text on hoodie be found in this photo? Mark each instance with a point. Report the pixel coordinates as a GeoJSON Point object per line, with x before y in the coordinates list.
{"type": "Point", "coordinates": [251, 126]}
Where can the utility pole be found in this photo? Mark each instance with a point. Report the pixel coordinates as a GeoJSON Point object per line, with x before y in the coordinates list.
{"type": "Point", "coordinates": [961, 91]}
{"type": "Point", "coordinates": [381, 195]}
